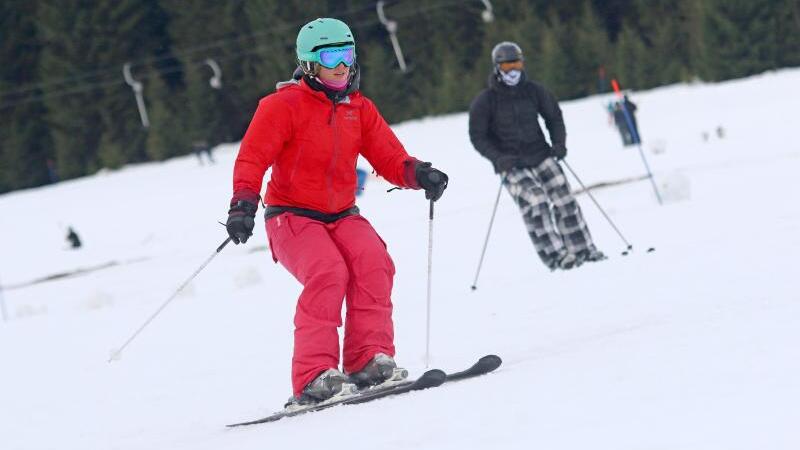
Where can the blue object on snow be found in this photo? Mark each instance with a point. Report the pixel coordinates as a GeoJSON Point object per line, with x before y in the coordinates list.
{"type": "Point", "coordinates": [361, 177]}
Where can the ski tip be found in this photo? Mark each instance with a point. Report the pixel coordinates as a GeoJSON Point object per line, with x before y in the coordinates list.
{"type": "Point", "coordinates": [491, 361]}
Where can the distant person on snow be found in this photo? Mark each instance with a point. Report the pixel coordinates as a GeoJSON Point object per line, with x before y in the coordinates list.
{"type": "Point", "coordinates": [636, 138]}
{"type": "Point", "coordinates": [311, 131]}
{"type": "Point", "coordinates": [622, 125]}
{"type": "Point", "coordinates": [504, 128]}
{"type": "Point", "coordinates": [73, 239]}
{"type": "Point", "coordinates": [201, 147]}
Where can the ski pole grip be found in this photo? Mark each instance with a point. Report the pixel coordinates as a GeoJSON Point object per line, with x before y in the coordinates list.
{"type": "Point", "coordinates": [430, 214]}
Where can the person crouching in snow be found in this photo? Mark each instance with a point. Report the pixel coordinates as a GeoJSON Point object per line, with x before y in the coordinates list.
{"type": "Point", "coordinates": [504, 128]}
{"type": "Point", "coordinates": [311, 131]}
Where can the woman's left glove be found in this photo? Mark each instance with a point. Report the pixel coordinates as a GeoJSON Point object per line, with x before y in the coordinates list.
{"type": "Point", "coordinates": [434, 181]}
{"type": "Point", "coordinates": [241, 217]}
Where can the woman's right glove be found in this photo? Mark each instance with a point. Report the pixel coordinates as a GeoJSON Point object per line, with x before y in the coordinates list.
{"type": "Point", "coordinates": [434, 181]}
{"type": "Point", "coordinates": [241, 217]}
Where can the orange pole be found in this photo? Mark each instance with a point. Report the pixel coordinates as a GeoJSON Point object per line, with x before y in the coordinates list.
{"type": "Point", "coordinates": [615, 85]}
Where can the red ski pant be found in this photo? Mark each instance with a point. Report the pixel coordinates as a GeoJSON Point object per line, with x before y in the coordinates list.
{"type": "Point", "coordinates": [334, 261]}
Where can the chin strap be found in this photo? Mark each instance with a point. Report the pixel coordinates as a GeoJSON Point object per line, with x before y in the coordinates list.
{"type": "Point", "coordinates": [309, 68]}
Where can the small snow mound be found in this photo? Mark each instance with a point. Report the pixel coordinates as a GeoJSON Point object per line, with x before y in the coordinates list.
{"type": "Point", "coordinates": [675, 187]}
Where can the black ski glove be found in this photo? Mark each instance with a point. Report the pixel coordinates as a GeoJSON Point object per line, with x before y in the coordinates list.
{"type": "Point", "coordinates": [559, 151]}
{"type": "Point", "coordinates": [434, 181]}
{"type": "Point", "coordinates": [241, 219]}
{"type": "Point", "coordinates": [504, 163]}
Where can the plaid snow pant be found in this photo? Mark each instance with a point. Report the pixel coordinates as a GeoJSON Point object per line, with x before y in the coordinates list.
{"type": "Point", "coordinates": [551, 214]}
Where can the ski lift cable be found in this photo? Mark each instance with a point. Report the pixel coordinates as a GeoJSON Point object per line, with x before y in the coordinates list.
{"type": "Point", "coordinates": [220, 43]}
{"type": "Point", "coordinates": [86, 87]}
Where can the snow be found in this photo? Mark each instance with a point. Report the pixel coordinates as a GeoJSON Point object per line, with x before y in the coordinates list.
{"type": "Point", "coordinates": [693, 346]}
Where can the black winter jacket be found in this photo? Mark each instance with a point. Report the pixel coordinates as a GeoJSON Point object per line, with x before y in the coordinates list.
{"type": "Point", "coordinates": [504, 125]}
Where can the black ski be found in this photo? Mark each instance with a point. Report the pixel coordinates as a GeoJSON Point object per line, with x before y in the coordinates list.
{"type": "Point", "coordinates": [429, 379]}
{"type": "Point", "coordinates": [484, 365]}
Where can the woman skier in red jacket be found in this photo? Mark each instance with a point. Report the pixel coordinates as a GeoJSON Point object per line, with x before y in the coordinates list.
{"type": "Point", "coordinates": [311, 131]}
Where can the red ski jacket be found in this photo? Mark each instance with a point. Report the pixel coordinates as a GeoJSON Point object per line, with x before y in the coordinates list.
{"type": "Point", "coordinates": [312, 145]}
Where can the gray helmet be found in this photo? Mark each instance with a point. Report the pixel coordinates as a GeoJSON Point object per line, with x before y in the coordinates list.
{"type": "Point", "coordinates": [505, 52]}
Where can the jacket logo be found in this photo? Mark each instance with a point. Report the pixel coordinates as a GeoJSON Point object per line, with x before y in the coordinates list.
{"type": "Point", "coordinates": [349, 114]}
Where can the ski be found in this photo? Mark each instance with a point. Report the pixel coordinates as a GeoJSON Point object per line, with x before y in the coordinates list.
{"type": "Point", "coordinates": [484, 365]}
{"type": "Point", "coordinates": [427, 380]}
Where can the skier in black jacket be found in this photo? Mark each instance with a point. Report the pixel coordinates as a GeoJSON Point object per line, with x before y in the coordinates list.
{"type": "Point", "coordinates": [504, 128]}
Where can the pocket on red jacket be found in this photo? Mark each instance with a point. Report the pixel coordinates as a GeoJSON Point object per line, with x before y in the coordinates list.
{"type": "Point", "coordinates": [278, 230]}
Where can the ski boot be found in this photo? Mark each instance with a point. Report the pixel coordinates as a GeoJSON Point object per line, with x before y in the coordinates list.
{"type": "Point", "coordinates": [563, 261]}
{"type": "Point", "coordinates": [381, 370]}
{"type": "Point", "coordinates": [590, 255]}
{"type": "Point", "coordinates": [328, 384]}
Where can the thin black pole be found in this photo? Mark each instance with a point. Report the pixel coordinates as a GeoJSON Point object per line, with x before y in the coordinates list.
{"type": "Point", "coordinates": [116, 354]}
{"type": "Point", "coordinates": [583, 186]}
{"type": "Point", "coordinates": [488, 233]}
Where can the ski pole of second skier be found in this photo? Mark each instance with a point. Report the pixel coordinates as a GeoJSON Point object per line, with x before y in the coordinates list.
{"type": "Point", "coordinates": [488, 233]}
{"type": "Point", "coordinates": [116, 354]}
{"type": "Point", "coordinates": [613, 225]}
{"type": "Point", "coordinates": [428, 304]}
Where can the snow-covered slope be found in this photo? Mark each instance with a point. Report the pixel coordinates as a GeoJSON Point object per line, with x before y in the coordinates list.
{"type": "Point", "coordinates": [693, 346]}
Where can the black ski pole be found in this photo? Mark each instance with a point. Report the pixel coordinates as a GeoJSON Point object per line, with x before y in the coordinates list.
{"type": "Point", "coordinates": [583, 186]}
{"type": "Point", "coordinates": [115, 355]}
{"type": "Point", "coordinates": [430, 269]}
{"type": "Point", "coordinates": [488, 233]}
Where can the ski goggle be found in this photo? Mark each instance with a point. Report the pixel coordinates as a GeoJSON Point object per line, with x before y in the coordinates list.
{"type": "Point", "coordinates": [331, 57]}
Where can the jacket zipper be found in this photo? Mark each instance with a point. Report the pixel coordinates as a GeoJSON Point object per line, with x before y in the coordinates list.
{"type": "Point", "coordinates": [334, 157]}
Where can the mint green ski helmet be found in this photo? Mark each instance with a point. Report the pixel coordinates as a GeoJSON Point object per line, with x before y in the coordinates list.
{"type": "Point", "coordinates": [322, 32]}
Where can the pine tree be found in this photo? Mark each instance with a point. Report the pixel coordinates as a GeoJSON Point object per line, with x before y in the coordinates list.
{"type": "Point", "coordinates": [631, 54]}
{"type": "Point", "coordinates": [24, 139]}
{"type": "Point", "coordinates": [94, 119]}
{"type": "Point", "coordinates": [556, 71]}
{"type": "Point", "coordinates": [590, 52]}
{"type": "Point", "coordinates": [167, 134]}
{"type": "Point", "coordinates": [787, 33]}
{"type": "Point", "coordinates": [742, 37]}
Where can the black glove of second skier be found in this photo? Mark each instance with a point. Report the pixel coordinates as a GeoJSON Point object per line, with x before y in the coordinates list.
{"type": "Point", "coordinates": [434, 181]}
{"type": "Point", "coordinates": [559, 151]}
{"type": "Point", "coordinates": [241, 219]}
{"type": "Point", "coordinates": [504, 163]}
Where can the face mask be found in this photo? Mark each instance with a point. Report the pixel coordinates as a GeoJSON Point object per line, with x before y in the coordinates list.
{"type": "Point", "coordinates": [335, 85]}
{"type": "Point", "coordinates": [511, 77]}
